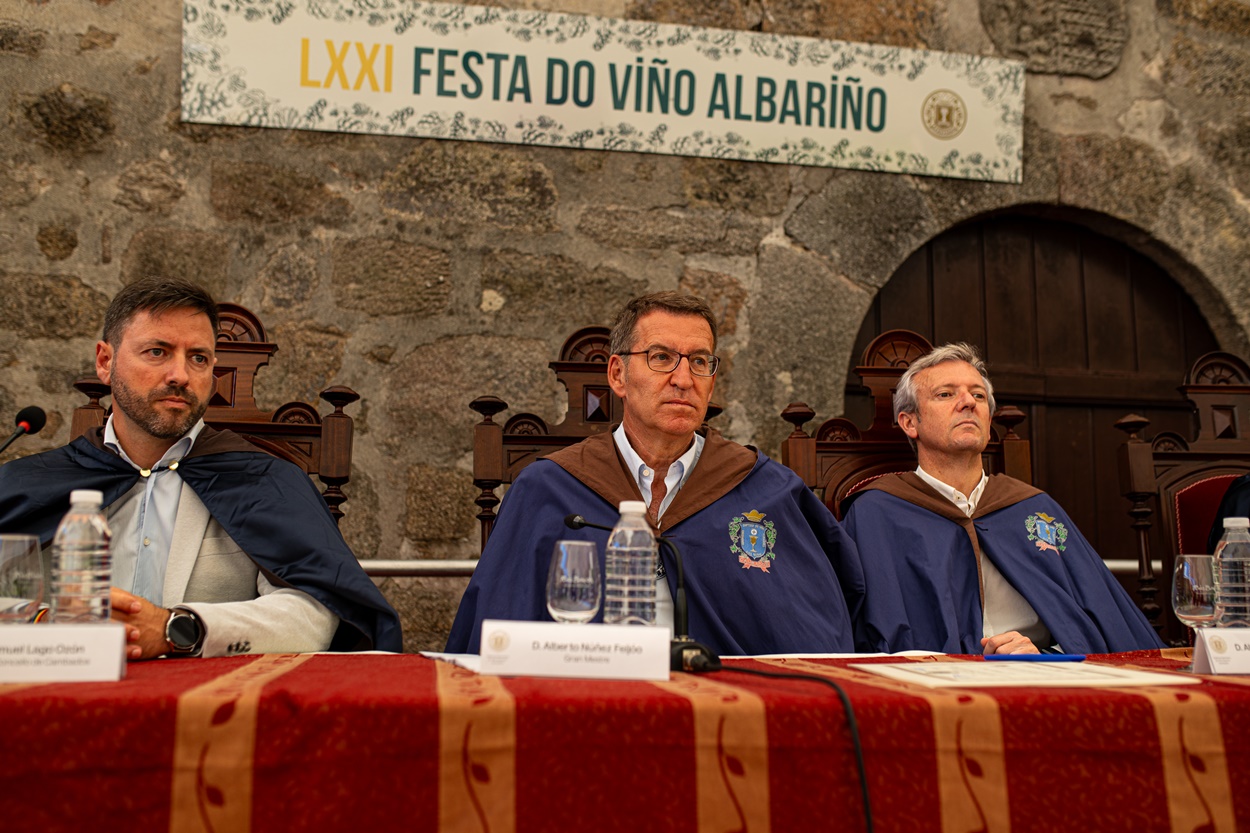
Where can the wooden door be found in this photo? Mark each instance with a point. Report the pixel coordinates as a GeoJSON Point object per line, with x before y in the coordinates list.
{"type": "Point", "coordinates": [1078, 330]}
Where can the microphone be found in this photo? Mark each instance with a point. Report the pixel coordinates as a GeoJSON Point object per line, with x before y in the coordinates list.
{"type": "Point", "coordinates": [577, 522]}
{"type": "Point", "coordinates": [30, 420]}
{"type": "Point", "coordinates": [687, 655]}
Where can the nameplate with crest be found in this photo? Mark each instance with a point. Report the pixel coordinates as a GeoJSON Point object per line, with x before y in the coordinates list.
{"type": "Point", "coordinates": [1222, 651]}
{"type": "Point", "coordinates": [549, 649]}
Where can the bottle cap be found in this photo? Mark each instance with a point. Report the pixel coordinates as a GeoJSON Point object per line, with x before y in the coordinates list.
{"type": "Point", "coordinates": [94, 496]}
{"type": "Point", "coordinates": [633, 507]}
{"type": "Point", "coordinates": [1237, 523]}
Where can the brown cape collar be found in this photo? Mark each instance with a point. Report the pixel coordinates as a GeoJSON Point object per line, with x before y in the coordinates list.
{"type": "Point", "coordinates": [597, 463]}
{"type": "Point", "coordinates": [1000, 492]}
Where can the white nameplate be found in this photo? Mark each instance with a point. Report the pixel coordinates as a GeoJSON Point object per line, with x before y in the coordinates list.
{"type": "Point", "coordinates": [551, 649]}
{"type": "Point", "coordinates": [1222, 651]}
{"type": "Point", "coordinates": [62, 653]}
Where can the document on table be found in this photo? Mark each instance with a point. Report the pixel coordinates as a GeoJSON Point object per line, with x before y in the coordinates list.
{"type": "Point", "coordinates": [973, 674]}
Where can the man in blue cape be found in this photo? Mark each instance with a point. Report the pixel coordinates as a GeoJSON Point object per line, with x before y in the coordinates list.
{"type": "Point", "coordinates": [768, 569]}
{"type": "Point", "coordinates": [218, 548]}
{"type": "Point", "coordinates": [960, 562]}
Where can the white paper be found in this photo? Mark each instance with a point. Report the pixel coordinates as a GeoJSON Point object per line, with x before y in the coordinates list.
{"type": "Point", "coordinates": [977, 674]}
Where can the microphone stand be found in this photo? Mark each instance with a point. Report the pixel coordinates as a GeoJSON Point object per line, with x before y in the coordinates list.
{"type": "Point", "coordinates": [21, 431]}
{"type": "Point", "coordinates": [686, 654]}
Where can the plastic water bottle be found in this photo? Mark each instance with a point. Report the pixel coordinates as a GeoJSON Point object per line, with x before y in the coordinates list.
{"type": "Point", "coordinates": [81, 563]}
{"type": "Point", "coordinates": [1232, 574]}
{"type": "Point", "coordinates": [629, 576]}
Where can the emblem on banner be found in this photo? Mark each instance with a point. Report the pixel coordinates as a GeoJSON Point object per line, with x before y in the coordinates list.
{"type": "Point", "coordinates": [944, 114]}
{"type": "Point", "coordinates": [752, 539]}
{"type": "Point", "coordinates": [1045, 532]}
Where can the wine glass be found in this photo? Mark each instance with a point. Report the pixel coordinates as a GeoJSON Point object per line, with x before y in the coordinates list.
{"type": "Point", "coordinates": [1193, 591]}
{"type": "Point", "coordinates": [23, 578]}
{"type": "Point", "coordinates": [574, 592]}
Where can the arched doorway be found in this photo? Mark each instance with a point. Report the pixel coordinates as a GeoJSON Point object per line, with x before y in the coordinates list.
{"type": "Point", "coordinates": [1078, 330]}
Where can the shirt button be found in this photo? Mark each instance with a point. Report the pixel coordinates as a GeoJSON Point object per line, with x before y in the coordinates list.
{"type": "Point", "coordinates": [147, 542]}
{"type": "Point", "coordinates": [647, 472]}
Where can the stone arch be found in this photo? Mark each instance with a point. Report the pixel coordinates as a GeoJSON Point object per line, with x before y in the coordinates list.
{"type": "Point", "coordinates": [1079, 326]}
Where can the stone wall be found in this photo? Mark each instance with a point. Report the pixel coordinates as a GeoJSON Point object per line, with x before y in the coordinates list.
{"type": "Point", "coordinates": [425, 273]}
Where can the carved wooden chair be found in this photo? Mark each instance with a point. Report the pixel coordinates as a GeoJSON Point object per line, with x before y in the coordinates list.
{"type": "Point", "coordinates": [1182, 479]}
{"type": "Point", "coordinates": [320, 445]}
{"type": "Point", "coordinates": [841, 458]}
{"type": "Point", "coordinates": [500, 451]}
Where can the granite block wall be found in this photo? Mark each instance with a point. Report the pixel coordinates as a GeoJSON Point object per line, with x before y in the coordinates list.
{"type": "Point", "coordinates": [424, 273]}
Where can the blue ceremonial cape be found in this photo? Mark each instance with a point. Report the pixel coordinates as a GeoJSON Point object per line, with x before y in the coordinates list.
{"type": "Point", "coordinates": [268, 506]}
{"type": "Point", "coordinates": [798, 604]}
{"type": "Point", "coordinates": [923, 589]}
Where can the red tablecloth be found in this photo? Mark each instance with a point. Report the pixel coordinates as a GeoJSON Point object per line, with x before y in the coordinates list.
{"type": "Point", "coordinates": [378, 742]}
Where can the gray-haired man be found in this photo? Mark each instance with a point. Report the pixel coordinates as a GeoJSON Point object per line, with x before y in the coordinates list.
{"type": "Point", "coordinates": [958, 561]}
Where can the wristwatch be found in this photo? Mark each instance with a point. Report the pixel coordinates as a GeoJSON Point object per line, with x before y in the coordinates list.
{"type": "Point", "coordinates": [184, 633]}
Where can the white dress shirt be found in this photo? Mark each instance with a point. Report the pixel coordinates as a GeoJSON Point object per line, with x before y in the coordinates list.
{"type": "Point", "coordinates": [142, 520]}
{"type": "Point", "coordinates": [678, 474]}
{"type": "Point", "coordinates": [1004, 608]}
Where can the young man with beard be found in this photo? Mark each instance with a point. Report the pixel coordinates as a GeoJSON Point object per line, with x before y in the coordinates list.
{"type": "Point", "coordinates": [218, 548]}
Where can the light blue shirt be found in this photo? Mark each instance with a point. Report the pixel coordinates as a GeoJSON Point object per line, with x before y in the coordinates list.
{"type": "Point", "coordinates": [142, 520]}
{"type": "Point", "coordinates": [678, 472]}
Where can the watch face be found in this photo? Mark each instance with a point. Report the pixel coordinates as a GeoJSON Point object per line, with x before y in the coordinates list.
{"type": "Point", "coordinates": [183, 632]}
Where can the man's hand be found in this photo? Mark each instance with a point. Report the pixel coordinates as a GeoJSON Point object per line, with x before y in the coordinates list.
{"type": "Point", "coordinates": [1011, 642]}
{"type": "Point", "coordinates": [145, 624]}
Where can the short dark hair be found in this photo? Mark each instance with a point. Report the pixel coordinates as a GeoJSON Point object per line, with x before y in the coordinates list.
{"type": "Point", "coordinates": [156, 295]}
{"type": "Point", "coordinates": [622, 338]}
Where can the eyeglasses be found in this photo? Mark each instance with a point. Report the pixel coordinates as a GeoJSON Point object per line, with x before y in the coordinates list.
{"type": "Point", "coordinates": [665, 361]}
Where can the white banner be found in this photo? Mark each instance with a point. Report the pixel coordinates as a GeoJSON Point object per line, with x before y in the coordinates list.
{"type": "Point", "coordinates": [473, 73]}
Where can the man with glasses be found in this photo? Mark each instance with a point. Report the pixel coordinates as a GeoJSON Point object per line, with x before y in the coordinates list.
{"type": "Point", "coordinates": [768, 568]}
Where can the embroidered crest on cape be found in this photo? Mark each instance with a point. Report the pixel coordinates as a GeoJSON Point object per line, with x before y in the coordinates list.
{"type": "Point", "coordinates": [752, 539]}
{"type": "Point", "coordinates": [1045, 532]}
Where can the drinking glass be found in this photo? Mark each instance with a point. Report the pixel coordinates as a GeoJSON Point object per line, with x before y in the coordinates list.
{"type": "Point", "coordinates": [23, 578]}
{"type": "Point", "coordinates": [574, 591]}
{"type": "Point", "coordinates": [1193, 591]}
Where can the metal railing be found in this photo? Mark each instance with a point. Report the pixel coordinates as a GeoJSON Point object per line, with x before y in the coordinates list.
{"type": "Point", "coordinates": [422, 568]}
{"type": "Point", "coordinates": [419, 568]}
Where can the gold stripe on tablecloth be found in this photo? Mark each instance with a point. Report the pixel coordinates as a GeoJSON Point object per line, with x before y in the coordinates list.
{"type": "Point", "coordinates": [213, 747]}
{"type": "Point", "coordinates": [477, 752]}
{"type": "Point", "coordinates": [10, 688]}
{"type": "Point", "coordinates": [731, 754]}
{"type": "Point", "coordinates": [1195, 766]}
{"type": "Point", "coordinates": [967, 742]}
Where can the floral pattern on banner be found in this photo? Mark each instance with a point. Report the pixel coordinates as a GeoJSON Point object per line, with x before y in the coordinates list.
{"type": "Point", "coordinates": [215, 89]}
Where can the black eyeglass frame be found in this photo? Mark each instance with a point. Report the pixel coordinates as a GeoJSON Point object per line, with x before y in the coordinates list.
{"type": "Point", "coordinates": [713, 361]}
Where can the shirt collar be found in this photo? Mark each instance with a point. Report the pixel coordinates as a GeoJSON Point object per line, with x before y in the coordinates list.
{"type": "Point", "coordinates": [638, 467]}
{"type": "Point", "coordinates": [967, 503]}
{"type": "Point", "coordinates": [176, 451]}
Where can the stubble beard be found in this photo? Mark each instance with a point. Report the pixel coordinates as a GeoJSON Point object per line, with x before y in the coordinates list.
{"type": "Point", "coordinates": [141, 411]}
